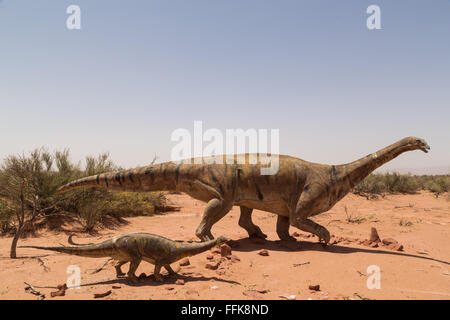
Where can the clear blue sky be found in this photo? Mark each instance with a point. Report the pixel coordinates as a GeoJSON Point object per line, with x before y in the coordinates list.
{"type": "Point", "coordinates": [137, 70]}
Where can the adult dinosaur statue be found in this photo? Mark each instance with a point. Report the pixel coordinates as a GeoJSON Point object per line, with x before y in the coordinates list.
{"type": "Point", "coordinates": [299, 190]}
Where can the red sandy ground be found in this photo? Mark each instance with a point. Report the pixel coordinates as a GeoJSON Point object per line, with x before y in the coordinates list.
{"type": "Point", "coordinates": [421, 271]}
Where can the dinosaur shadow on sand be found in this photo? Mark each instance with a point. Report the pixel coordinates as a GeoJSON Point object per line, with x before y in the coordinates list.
{"type": "Point", "coordinates": [251, 244]}
{"type": "Point", "coordinates": [150, 281]}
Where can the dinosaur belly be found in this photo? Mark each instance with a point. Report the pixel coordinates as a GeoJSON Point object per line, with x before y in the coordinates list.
{"type": "Point", "coordinates": [277, 207]}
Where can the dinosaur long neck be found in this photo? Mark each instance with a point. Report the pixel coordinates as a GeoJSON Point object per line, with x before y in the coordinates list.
{"type": "Point", "coordinates": [354, 172]}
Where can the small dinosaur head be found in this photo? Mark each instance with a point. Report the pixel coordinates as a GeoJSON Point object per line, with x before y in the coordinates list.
{"type": "Point", "coordinates": [221, 240]}
{"type": "Point", "coordinates": [419, 143]}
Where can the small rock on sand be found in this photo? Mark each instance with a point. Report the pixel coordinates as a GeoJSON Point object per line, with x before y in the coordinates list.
{"type": "Point", "coordinates": [209, 256]}
{"type": "Point", "coordinates": [264, 253]}
{"type": "Point", "coordinates": [225, 250]}
{"type": "Point", "coordinates": [215, 250]}
{"type": "Point", "coordinates": [212, 265]}
{"type": "Point", "coordinates": [179, 282]}
{"type": "Point", "coordinates": [185, 262]}
{"type": "Point", "coordinates": [101, 295]}
{"type": "Point", "coordinates": [389, 241]}
{"type": "Point", "coordinates": [374, 237]}
{"type": "Point", "coordinates": [314, 287]}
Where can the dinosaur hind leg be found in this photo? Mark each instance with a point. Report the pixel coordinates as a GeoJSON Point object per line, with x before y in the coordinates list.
{"type": "Point", "coordinates": [245, 221]}
{"type": "Point", "coordinates": [215, 210]}
{"type": "Point", "coordinates": [283, 228]}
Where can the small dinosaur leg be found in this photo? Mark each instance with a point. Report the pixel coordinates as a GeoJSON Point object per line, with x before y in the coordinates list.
{"type": "Point", "coordinates": [134, 264]}
{"type": "Point", "coordinates": [156, 273]}
{"type": "Point", "coordinates": [283, 228]}
{"type": "Point", "coordinates": [118, 266]}
{"type": "Point", "coordinates": [245, 221]}
{"type": "Point", "coordinates": [314, 228]}
{"type": "Point", "coordinates": [215, 210]}
{"type": "Point", "coordinates": [169, 269]}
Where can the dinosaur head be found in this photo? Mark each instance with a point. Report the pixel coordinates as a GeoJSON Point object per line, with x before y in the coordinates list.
{"type": "Point", "coordinates": [418, 143]}
{"type": "Point", "coordinates": [221, 240]}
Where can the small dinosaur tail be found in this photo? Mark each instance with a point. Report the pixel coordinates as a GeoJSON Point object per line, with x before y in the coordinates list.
{"type": "Point", "coordinates": [103, 249]}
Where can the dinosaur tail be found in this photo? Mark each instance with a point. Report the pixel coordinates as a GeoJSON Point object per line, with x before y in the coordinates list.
{"type": "Point", "coordinates": [93, 251]}
{"type": "Point", "coordinates": [150, 178]}
{"type": "Point", "coordinates": [191, 249]}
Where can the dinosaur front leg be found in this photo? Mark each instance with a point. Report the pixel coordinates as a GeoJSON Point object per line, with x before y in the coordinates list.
{"type": "Point", "coordinates": [215, 210]}
{"type": "Point", "coordinates": [245, 221]}
{"type": "Point", "coordinates": [134, 264]}
{"type": "Point", "coordinates": [283, 228]}
{"type": "Point", "coordinates": [314, 228]}
{"type": "Point", "coordinates": [156, 273]}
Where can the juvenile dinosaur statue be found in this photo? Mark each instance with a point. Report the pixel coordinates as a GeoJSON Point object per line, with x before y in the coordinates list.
{"type": "Point", "coordinates": [299, 190]}
{"type": "Point", "coordinates": [135, 247]}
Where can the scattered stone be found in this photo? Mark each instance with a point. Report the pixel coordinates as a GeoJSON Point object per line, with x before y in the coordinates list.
{"type": "Point", "coordinates": [374, 244]}
{"type": "Point", "coordinates": [184, 262]}
{"type": "Point", "coordinates": [263, 252]}
{"type": "Point", "coordinates": [261, 290]}
{"type": "Point", "coordinates": [209, 256]}
{"type": "Point", "coordinates": [101, 295]}
{"type": "Point", "coordinates": [220, 272]}
{"type": "Point", "coordinates": [396, 247]}
{"type": "Point", "coordinates": [215, 250]}
{"type": "Point", "coordinates": [389, 241]}
{"type": "Point", "coordinates": [170, 288]}
{"type": "Point", "coordinates": [367, 242]}
{"type": "Point", "coordinates": [296, 234]}
{"type": "Point", "coordinates": [61, 291]}
{"type": "Point", "coordinates": [314, 287]}
{"type": "Point", "coordinates": [179, 282]}
{"type": "Point", "coordinates": [116, 286]}
{"type": "Point", "coordinates": [212, 265]}
{"type": "Point", "coordinates": [374, 237]}
{"type": "Point", "coordinates": [225, 250]}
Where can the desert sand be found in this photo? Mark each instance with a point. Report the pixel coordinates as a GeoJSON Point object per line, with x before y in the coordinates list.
{"type": "Point", "coordinates": [420, 223]}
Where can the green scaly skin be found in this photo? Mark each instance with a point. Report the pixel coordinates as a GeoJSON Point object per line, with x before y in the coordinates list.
{"type": "Point", "coordinates": [299, 189]}
{"type": "Point", "coordinates": [135, 247]}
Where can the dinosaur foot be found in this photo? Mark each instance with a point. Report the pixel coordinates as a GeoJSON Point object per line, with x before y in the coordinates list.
{"type": "Point", "coordinates": [286, 237]}
{"type": "Point", "coordinates": [259, 234]}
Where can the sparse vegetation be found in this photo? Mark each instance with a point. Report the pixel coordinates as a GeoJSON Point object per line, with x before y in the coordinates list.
{"type": "Point", "coordinates": [392, 183]}
{"type": "Point", "coordinates": [28, 193]}
{"type": "Point", "coordinates": [351, 217]}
